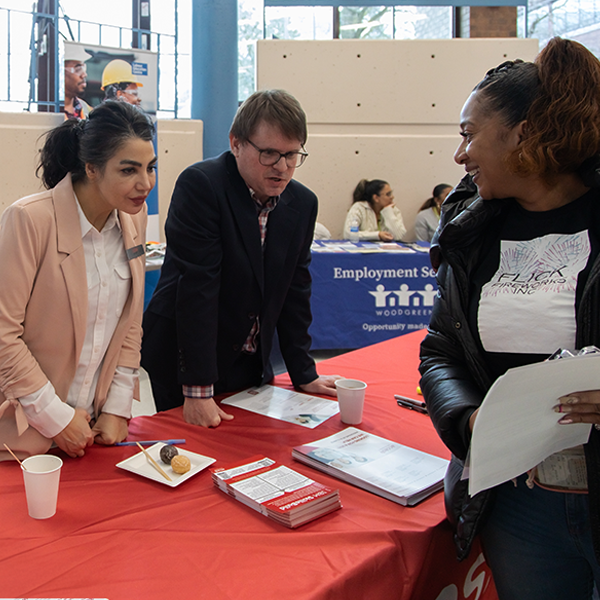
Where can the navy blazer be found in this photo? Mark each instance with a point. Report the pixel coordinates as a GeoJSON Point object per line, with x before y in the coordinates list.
{"type": "Point", "coordinates": [217, 278]}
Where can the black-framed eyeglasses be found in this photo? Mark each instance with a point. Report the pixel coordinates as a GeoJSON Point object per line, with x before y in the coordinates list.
{"type": "Point", "coordinates": [270, 157]}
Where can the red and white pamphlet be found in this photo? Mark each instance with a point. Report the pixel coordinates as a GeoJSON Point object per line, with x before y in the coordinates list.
{"type": "Point", "coordinates": [276, 491]}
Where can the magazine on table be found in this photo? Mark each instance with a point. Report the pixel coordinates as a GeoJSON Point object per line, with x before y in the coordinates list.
{"type": "Point", "coordinates": [388, 469]}
{"type": "Point", "coordinates": [276, 491]}
{"type": "Point", "coordinates": [285, 405]}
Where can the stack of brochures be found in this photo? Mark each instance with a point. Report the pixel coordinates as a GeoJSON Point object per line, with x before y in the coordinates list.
{"type": "Point", "coordinates": [276, 491]}
{"type": "Point", "coordinates": [393, 471]}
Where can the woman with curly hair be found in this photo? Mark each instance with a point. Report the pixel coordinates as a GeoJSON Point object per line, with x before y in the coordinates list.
{"type": "Point", "coordinates": [518, 268]}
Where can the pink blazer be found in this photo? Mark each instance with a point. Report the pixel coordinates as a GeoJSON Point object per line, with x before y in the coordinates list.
{"type": "Point", "coordinates": [43, 306]}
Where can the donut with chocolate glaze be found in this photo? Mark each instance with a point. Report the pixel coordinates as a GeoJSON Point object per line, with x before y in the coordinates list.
{"type": "Point", "coordinates": [167, 453]}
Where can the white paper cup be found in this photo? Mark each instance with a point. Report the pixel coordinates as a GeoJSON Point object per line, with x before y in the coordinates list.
{"type": "Point", "coordinates": [41, 474]}
{"type": "Point", "coordinates": [351, 398]}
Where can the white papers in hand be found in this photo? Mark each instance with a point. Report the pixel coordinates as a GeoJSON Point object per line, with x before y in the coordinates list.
{"type": "Point", "coordinates": [516, 428]}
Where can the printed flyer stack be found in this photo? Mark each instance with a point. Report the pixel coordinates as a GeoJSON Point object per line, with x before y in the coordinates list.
{"type": "Point", "coordinates": [276, 491]}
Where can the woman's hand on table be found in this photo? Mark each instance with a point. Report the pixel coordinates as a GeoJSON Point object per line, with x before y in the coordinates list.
{"type": "Point", "coordinates": [204, 412]}
{"type": "Point", "coordinates": [386, 236]}
{"type": "Point", "coordinates": [324, 384]}
{"type": "Point", "coordinates": [77, 435]}
{"type": "Point", "coordinates": [109, 429]}
{"type": "Point", "coordinates": [581, 407]}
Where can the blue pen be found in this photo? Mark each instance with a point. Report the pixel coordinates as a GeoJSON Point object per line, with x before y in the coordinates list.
{"type": "Point", "coordinates": [149, 442]}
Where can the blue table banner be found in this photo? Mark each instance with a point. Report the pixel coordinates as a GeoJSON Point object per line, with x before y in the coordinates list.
{"type": "Point", "coordinates": [361, 298]}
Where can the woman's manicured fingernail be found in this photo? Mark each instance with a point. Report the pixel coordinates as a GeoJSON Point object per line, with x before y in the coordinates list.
{"type": "Point", "coordinates": [569, 399]}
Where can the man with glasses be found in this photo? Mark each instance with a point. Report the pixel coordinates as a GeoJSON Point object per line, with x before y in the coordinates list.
{"type": "Point", "coordinates": [75, 82]}
{"type": "Point", "coordinates": [239, 232]}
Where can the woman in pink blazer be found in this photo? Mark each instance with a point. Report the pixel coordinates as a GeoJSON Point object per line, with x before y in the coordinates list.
{"type": "Point", "coordinates": [72, 266]}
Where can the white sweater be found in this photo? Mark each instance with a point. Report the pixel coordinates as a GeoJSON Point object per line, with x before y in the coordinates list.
{"type": "Point", "coordinates": [390, 219]}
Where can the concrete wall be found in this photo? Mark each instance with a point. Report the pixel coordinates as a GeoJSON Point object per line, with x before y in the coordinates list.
{"type": "Point", "coordinates": [385, 109]}
{"type": "Point", "coordinates": [20, 143]}
{"type": "Point", "coordinates": [179, 144]}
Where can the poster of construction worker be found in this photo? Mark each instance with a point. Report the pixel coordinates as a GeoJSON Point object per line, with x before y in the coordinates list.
{"type": "Point", "coordinates": [94, 74]}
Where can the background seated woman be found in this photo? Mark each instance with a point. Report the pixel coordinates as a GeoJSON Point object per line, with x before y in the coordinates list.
{"type": "Point", "coordinates": [374, 213]}
{"type": "Point", "coordinates": [429, 214]}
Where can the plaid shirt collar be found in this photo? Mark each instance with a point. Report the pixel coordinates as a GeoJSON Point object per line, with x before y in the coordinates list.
{"type": "Point", "coordinates": [262, 211]}
{"type": "Point", "coordinates": [268, 206]}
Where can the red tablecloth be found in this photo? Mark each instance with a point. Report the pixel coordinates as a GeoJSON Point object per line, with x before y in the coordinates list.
{"type": "Point", "coordinates": [120, 536]}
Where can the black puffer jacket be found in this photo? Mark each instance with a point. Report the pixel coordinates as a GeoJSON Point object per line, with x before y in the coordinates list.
{"type": "Point", "coordinates": [455, 378]}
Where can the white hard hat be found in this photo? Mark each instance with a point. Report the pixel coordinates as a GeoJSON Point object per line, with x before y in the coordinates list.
{"type": "Point", "coordinates": [75, 51]}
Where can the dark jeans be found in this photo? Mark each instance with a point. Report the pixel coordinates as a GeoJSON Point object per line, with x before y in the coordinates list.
{"type": "Point", "coordinates": [539, 545]}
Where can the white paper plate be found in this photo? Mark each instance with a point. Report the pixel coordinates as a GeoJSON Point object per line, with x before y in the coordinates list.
{"type": "Point", "coordinates": [139, 464]}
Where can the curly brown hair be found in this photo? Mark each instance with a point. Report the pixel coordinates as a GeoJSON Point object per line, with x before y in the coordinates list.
{"type": "Point", "coordinates": [559, 97]}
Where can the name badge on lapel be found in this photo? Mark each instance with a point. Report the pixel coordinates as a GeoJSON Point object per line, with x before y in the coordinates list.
{"type": "Point", "coordinates": [134, 252]}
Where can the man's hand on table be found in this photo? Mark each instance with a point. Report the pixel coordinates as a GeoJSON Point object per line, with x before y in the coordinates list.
{"type": "Point", "coordinates": [204, 412]}
{"type": "Point", "coordinates": [324, 384]}
{"type": "Point", "coordinates": [109, 429]}
{"type": "Point", "coordinates": [77, 435]}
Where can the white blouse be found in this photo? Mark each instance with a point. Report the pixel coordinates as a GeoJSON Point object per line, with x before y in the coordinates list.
{"type": "Point", "coordinates": [109, 284]}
